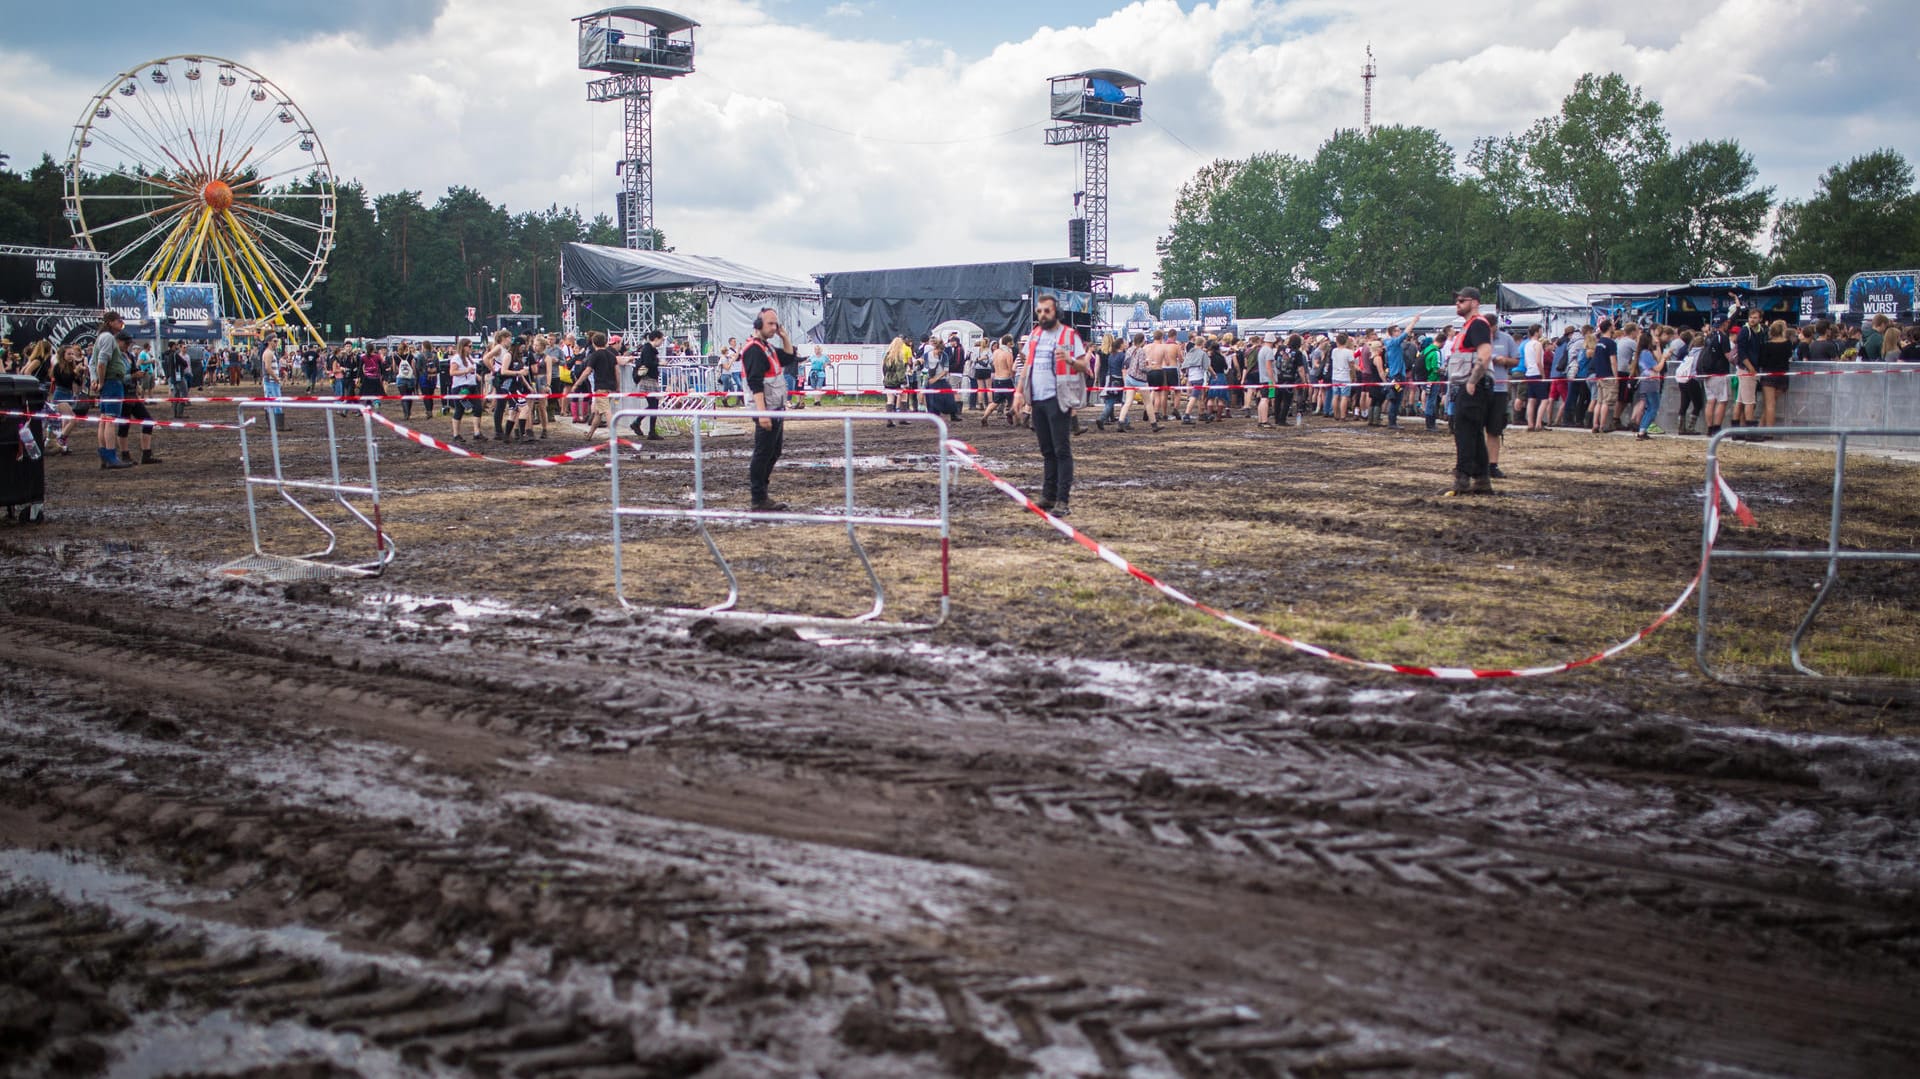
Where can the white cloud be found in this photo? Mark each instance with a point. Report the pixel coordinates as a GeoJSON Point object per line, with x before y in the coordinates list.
{"type": "Point", "coordinates": [843, 11]}
{"type": "Point", "coordinates": [752, 159]}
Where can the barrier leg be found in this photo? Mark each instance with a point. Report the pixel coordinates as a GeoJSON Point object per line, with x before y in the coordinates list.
{"type": "Point", "coordinates": [1833, 561]}
{"type": "Point", "coordinates": [853, 538]}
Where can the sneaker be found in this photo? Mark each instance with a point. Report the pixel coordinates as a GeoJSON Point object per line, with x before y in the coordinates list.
{"type": "Point", "coordinates": [768, 506]}
{"type": "Point", "coordinates": [1482, 485]}
{"type": "Point", "coordinates": [1044, 503]}
{"type": "Point", "coordinates": [1654, 429]}
{"type": "Point", "coordinates": [150, 459]}
{"type": "Point", "coordinates": [1494, 471]}
{"type": "Point", "coordinates": [1059, 509]}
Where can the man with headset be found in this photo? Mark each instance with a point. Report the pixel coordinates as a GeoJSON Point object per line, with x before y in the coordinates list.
{"type": "Point", "coordinates": [763, 367]}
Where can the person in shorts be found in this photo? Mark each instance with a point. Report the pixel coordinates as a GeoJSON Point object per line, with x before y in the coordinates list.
{"type": "Point", "coordinates": [132, 409]}
{"type": "Point", "coordinates": [107, 373]}
{"type": "Point", "coordinates": [604, 376]}
{"type": "Point", "coordinates": [463, 371]}
{"type": "Point", "coordinates": [1002, 381]}
{"type": "Point", "coordinates": [1716, 366]}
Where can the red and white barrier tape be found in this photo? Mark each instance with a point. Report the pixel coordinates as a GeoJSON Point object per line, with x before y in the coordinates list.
{"type": "Point", "coordinates": [970, 456]}
{"type": "Point", "coordinates": [549, 461]}
{"type": "Point", "coordinates": [175, 425]}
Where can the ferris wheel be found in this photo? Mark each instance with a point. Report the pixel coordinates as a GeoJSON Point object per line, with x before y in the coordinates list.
{"type": "Point", "coordinates": [198, 169]}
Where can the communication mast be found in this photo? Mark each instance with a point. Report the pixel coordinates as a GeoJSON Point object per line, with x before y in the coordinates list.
{"type": "Point", "coordinates": [1367, 75]}
{"type": "Point", "coordinates": [1089, 105]}
{"type": "Point", "coordinates": [634, 46]}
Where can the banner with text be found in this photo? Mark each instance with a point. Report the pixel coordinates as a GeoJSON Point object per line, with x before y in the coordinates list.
{"type": "Point", "coordinates": [134, 302]}
{"type": "Point", "coordinates": [1815, 304]}
{"type": "Point", "coordinates": [48, 280]}
{"type": "Point", "coordinates": [1218, 313]}
{"type": "Point", "coordinates": [1883, 292]}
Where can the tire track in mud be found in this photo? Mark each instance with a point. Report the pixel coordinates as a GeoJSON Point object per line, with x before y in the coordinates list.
{"type": "Point", "coordinates": [1325, 796]}
{"type": "Point", "coordinates": [1414, 813]}
{"type": "Point", "coordinates": [721, 965]}
{"type": "Point", "coordinates": [62, 953]}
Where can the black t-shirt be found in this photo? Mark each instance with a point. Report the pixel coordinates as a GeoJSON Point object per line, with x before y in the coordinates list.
{"type": "Point", "coordinates": [1714, 359]}
{"type": "Point", "coordinates": [648, 365]}
{"type": "Point", "coordinates": [756, 359]}
{"type": "Point", "coordinates": [1478, 332]}
{"type": "Point", "coordinates": [1601, 363]}
{"type": "Point", "coordinates": [606, 376]}
{"type": "Point", "coordinates": [1775, 356]}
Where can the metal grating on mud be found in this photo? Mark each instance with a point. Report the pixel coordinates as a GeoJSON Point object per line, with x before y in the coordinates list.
{"type": "Point", "coordinates": [279, 568]}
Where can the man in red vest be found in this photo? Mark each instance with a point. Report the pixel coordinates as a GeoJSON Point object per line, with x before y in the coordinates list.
{"type": "Point", "coordinates": [1054, 353]}
{"type": "Point", "coordinates": [762, 366]}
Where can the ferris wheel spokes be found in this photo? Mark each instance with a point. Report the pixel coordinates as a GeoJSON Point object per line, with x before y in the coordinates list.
{"type": "Point", "coordinates": [176, 162]}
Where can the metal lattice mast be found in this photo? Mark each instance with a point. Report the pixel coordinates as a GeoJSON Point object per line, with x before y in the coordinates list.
{"type": "Point", "coordinates": [638, 173]}
{"type": "Point", "coordinates": [1093, 169]}
{"type": "Point", "coordinates": [1086, 106]}
{"type": "Point", "coordinates": [633, 46]}
{"type": "Point", "coordinates": [1367, 75]}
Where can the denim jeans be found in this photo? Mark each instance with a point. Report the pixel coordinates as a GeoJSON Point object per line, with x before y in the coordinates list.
{"type": "Point", "coordinates": [1650, 393]}
{"type": "Point", "coordinates": [1053, 425]}
{"type": "Point", "coordinates": [271, 388]}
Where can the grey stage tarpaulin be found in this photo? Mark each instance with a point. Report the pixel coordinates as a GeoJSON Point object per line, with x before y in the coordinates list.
{"type": "Point", "coordinates": [875, 306]}
{"type": "Point", "coordinates": [735, 292]}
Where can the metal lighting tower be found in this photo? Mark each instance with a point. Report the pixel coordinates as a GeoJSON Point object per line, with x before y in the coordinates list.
{"type": "Point", "coordinates": [1367, 75]}
{"type": "Point", "coordinates": [1089, 105]}
{"type": "Point", "coordinates": [633, 46]}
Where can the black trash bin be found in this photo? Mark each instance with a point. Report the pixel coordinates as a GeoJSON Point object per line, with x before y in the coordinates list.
{"type": "Point", "coordinates": [23, 471]}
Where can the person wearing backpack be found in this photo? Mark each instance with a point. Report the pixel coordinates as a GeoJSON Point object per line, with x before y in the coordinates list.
{"type": "Point", "coordinates": [893, 372]}
{"type": "Point", "coordinates": [1434, 372]}
{"type": "Point", "coordinates": [1053, 385]}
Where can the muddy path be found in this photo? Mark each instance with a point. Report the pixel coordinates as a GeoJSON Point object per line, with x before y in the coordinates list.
{"type": "Point", "coordinates": [1335, 533]}
{"type": "Point", "coordinates": [703, 850]}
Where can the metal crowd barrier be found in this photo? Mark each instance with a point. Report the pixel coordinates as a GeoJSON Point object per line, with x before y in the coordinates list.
{"type": "Point", "coordinates": [1831, 554]}
{"type": "Point", "coordinates": [701, 514]}
{"type": "Point", "coordinates": [281, 567]}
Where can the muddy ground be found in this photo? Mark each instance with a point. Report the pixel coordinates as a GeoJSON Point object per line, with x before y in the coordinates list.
{"type": "Point", "coordinates": [474, 817]}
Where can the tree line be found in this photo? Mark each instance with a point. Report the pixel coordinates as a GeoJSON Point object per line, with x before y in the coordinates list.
{"type": "Point", "coordinates": [1596, 192]}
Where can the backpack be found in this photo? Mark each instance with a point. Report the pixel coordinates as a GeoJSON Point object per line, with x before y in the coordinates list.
{"type": "Point", "coordinates": [894, 372]}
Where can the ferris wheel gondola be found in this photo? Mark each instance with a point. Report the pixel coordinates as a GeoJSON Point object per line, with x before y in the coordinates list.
{"type": "Point", "coordinates": [181, 178]}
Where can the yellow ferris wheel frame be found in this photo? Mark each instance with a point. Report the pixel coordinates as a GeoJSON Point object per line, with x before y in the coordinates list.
{"type": "Point", "coordinates": [196, 144]}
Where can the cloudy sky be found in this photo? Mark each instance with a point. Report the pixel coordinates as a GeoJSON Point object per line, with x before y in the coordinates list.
{"type": "Point", "coordinates": [845, 134]}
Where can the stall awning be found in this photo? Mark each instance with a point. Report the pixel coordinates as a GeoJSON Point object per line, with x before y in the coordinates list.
{"type": "Point", "coordinates": [1555, 296]}
{"type": "Point", "coordinates": [592, 268]}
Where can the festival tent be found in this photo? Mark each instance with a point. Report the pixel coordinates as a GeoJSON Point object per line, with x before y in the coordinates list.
{"type": "Point", "coordinates": [876, 305]}
{"type": "Point", "coordinates": [1351, 319]}
{"type": "Point", "coordinates": [1559, 305]}
{"type": "Point", "coordinates": [735, 293]}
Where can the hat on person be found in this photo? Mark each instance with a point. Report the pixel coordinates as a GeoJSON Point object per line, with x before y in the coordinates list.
{"type": "Point", "coordinates": [1467, 293]}
{"type": "Point", "coordinates": [614, 340]}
